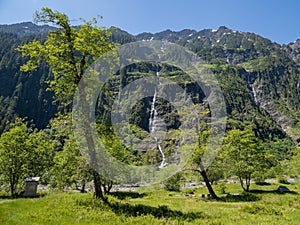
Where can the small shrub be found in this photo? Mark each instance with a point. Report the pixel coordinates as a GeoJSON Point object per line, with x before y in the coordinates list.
{"type": "Point", "coordinates": [173, 183]}
{"type": "Point", "coordinates": [260, 177]}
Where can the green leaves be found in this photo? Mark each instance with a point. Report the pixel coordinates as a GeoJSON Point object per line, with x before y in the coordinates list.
{"type": "Point", "coordinates": [36, 51]}
{"type": "Point", "coordinates": [69, 166]}
{"type": "Point", "coordinates": [67, 50]}
{"type": "Point", "coordinates": [48, 16]}
{"type": "Point", "coordinates": [244, 154]}
{"type": "Point", "coordinates": [23, 152]}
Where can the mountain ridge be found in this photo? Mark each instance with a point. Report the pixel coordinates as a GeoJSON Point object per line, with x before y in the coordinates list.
{"type": "Point", "coordinates": [29, 28]}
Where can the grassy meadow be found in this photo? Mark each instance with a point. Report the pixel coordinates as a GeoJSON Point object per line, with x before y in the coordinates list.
{"type": "Point", "coordinates": [263, 205]}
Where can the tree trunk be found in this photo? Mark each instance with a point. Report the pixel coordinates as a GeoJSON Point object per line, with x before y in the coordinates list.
{"type": "Point", "coordinates": [248, 180]}
{"type": "Point", "coordinates": [247, 187]}
{"type": "Point", "coordinates": [12, 190]}
{"type": "Point", "coordinates": [242, 183]}
{"type": "Point", "coordinates": [207, 183]}
{"type": "Point", "coordinates": [82, 188]}
{"type": "Point", "coordinates": [97, 185]}
{"type": "Point", "coordinates": [13, 185]}
{"type": "Point", "coordinates": [107, 185]}
{"type": "Point", "coordinates": [85, 120]}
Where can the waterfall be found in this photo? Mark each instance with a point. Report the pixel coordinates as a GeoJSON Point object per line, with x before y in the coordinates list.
{"type": "Point", "coordinates": [153, 113]}
{"type": "Point", "coordinates": [153, 123]}
{"type": "Point", "coordinates": [254, 93]}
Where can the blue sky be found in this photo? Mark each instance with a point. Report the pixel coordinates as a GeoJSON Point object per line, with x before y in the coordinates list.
{"type": "Point", "coordinates": [276, 20]}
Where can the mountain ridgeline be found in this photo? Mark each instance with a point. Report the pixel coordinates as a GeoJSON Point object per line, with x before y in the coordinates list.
{"type": "Point", "coordinates": [260, 79]}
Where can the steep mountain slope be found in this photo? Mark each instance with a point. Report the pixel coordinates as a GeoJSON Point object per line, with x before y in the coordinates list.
{"type": "Point", "coordinates": [22, 94]}
{"type": "Point", "coordinates": [269, 71]}
{"type": "Point", "coordinates": [260, 78]}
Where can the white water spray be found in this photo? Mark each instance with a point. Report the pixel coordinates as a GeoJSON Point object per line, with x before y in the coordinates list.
{"type": "Point", "coordinates": [254, 93]}
{"type": "Point", "coordinates": [153, 127]}
{"type": "Point", "coordinates": [253, 90]}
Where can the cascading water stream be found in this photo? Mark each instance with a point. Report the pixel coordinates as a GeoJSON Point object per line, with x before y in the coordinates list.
{"type": "Point", "coordinates": [254, 93]}
{"type": "Point", "coordinates": [153, 123]}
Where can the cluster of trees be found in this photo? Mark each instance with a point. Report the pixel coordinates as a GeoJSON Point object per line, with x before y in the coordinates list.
{"type": "Point", "coordinates": [53, 153]}
{"type": "Point", "coordinates": [50, 153]}
{"type": "Point", "coordinates": [246, 157]}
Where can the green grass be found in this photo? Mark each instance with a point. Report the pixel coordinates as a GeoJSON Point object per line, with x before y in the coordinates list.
{"type": "Point", "coordinates": [155, 206]}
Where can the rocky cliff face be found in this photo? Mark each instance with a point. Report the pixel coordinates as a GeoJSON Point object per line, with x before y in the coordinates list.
{"type": "Point", "coordinates": [270, 70]}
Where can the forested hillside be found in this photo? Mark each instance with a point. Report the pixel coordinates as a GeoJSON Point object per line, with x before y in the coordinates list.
{"type": "Point", "coordinates": [259, 78]}
{"type": "Point", "coordinates": [22, 95]}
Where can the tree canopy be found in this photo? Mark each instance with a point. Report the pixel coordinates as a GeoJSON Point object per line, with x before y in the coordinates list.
{"type": "Point", "coordinates": [23, 152]}
{"type": "Point", "coordinates": [67, 50]}
{"type": "Point", "coordinates": [244, 155]}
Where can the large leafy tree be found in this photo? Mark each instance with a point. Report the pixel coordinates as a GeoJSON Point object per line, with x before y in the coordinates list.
{"type": "Point", "coordinates": [23, 152]}
{"type": "Point", "coordinates": [68, 51]}
{"type": "Point", "coordinates": [244, 155]}
{"type": "Point", "coordinates": [14, 148]}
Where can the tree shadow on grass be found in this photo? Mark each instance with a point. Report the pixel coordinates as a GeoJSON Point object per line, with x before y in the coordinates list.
{"type": "Point", "coordinates": [263, 183]}
{"type": "Point", "coordinates": [258, 191]}
{"type": "Point", "coordinates": [252, 195]}
{"type": "Point", "coordinates": [6, 197]}
{"type": "Point", "coordinates": [123, 195]}
{"type": "Point", "coordinates": [135, 210]}
{"type": "Point", "coordinates": [158, 212]}
{"type": "Point", "coordinates": [244, 197]}
{"type": "Point", "coordinates": [17, 196]}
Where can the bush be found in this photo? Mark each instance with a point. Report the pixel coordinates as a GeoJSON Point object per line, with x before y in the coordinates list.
{"type": "Point", "coordinates": [173, 183]}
